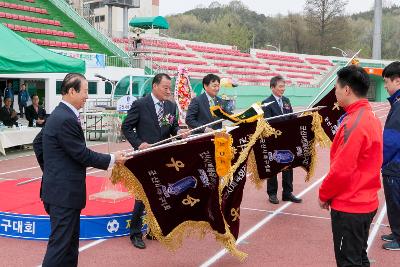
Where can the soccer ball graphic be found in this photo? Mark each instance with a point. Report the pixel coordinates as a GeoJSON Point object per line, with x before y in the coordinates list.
{"type": "Point", "coordinates": [112, 226]}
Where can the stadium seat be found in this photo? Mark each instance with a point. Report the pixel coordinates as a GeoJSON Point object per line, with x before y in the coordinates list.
{"type": "Point", "coordinates": [75, 46]}
{"type": "Point", "coordinates": [46, 42]}
{"type": "Point", "coordinates": [52, 43]}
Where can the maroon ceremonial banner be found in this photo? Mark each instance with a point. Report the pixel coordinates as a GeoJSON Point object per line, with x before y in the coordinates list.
{"type": "Point", "coordinates": [181, 192]}
{"type": "Point", "coordinates": [330, 114]}
{"type": "Point", "coordinates": [291, 145]}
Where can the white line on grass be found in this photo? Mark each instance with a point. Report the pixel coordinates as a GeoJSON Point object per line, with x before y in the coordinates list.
{"type": "Point", "coordinates": [256, 227]}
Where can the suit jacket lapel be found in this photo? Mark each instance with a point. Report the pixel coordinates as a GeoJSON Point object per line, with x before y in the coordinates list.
{"type": "Point", "coordinates": [152, 110]}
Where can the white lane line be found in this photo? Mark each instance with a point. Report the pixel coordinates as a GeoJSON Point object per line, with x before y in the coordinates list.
{"type": "Point", "coordinates": [91, 244]}
{"type": "Point", "coordinates": [377, 225]}
{"type": "Point", "coordinates": [256, 227]}
{"type": "Point", "coordinates": [291, 214]}
{"type": "Point", "coordinates": [28, 155]}
{"type": "Point", "coordinates": [19, 170]}
{"type": "Point", "coordinates": [87, 246]}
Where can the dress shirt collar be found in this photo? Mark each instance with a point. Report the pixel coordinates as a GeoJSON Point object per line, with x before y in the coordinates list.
{"type": "Point", "coordinates": [71, 107]}
{"type": "Point", "coordinates": [277, 98]}
{"type": "Point", "coordinates": [155, 99]}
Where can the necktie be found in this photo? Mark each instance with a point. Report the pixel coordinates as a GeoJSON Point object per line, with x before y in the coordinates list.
{"type": "Point", "coordinates": [211, 102]}
{"type": "Point", "coordinates": [280, 104]}
{"type": "Point", "coordinates": [160, 112]}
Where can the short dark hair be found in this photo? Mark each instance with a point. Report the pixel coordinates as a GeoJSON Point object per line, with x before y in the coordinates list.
{"type": "Point", "coordinates": [209, 78]}
{"type": "Point", "coordinates": [392, 71]}
{"type": "Point", "coordinates": [157, 79]}
{"type": "Point", "coordinates": [5, 99]}
{"type": "Point", "coordinates": [72, 80]}
{"type": "Point", "coordinates": [274, 81]}
{"type": "Point", "coordinates": [34, 95]}
{"type": "Point", "coordinates": [356, 78]}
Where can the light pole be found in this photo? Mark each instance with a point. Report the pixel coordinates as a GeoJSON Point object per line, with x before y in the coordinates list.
{"type": "Point", "coordinates": [104, 79]}
{"type": "Point", "coordinates": [344, 54]}
{"type": "Point", "coordinates": [277, 49]}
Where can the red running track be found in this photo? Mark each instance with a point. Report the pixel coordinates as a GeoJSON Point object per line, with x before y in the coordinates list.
{"type": "Point", "coordinates": [273, 235]}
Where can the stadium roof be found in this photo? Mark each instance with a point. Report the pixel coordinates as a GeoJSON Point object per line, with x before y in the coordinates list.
{"type": "Point", "coordinates": [18, 55]}
{"type": "Point", "coordinates": [158, 22]}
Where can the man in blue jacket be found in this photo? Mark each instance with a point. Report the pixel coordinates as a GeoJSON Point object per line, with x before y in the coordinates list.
{"type": "Point", "coordinates": [391, 155]}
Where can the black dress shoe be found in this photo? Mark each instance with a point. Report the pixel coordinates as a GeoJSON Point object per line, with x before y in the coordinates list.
{"type": "Point", "coordinates": [138, 242]}
{"type": "Point", "coordinates": [291, 198]}
{"type": "Point", "coordinates": [149, 236]}
{"type": "Point", "coordinates": [273, 199]}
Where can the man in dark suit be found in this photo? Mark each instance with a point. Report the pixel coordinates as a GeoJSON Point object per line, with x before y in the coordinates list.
{"type": "Point", "coordinates": [198, 113]}
{"type": "Point", "coordinates": [8, 115]}
{"type": "Point", "coordinates": [64, 157]}
{"type": "Point", "coordinates": [150, 119]}
{"type": "Point", "coordinates": [35, 113]}
{"type": "Point", "coordinates": [280, 106]}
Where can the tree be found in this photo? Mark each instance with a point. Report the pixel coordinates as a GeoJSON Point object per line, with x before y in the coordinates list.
{"type": "Point", "coordinates": [326, 19]}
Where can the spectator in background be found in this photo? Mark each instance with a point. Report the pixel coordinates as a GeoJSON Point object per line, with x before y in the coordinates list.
{"type": "Point", "coordinates": [8, 115]}
{"type": "Point", "coordinates": [35, 114]}
{"type": "Point", "coordinates": [23, 98]}
{"type": "Point", "coordinates": [9, 93]}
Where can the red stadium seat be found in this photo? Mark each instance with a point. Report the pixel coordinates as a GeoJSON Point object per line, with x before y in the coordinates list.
{"type": "Point", "coordinates": [24, 29]}
{"type": "Point", "coordinates": [58, 44]}
{"type": "Point", "coordinates": [64, 44]}
{"type": "Point", "coordinates": [46, 42]}
{"type": "Point", "coordinates": [1, 4]}
{"type": "Point", "coordinates": [52, 43]}
{"type": "Point", "coordinates": [75, 46]}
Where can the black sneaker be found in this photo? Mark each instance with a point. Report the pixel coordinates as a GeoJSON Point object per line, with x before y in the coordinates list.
{"type": "Point", "coordinates": [138, 242]}
{"type": "Point", "coordinates": [394, 245]}
{"type": "Point", "coordinates": [388, 238]}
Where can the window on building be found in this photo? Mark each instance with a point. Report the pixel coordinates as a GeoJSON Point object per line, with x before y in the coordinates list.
{"type": "Point", "coordinates": [108, 88]}
{"type": "Point", "coordinates": [58, 87]}
{"type": "Point", "coordinates": [92, 88]}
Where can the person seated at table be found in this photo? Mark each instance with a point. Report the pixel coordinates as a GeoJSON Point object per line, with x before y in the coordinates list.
{"type": "Point", "coordinates": [8, 115]}
{"type": "Point", "coordinates": [36, 113]}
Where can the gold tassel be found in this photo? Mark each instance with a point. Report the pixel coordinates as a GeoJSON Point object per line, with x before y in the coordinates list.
{"type": "Point", "coordinates": [223, 152]}
{"type": "Point", "coordinates": [319, 132]}
{"type": "Point", "coordinates": [173, 240]}
{"type": "Point", "coordinates": [253, 171]}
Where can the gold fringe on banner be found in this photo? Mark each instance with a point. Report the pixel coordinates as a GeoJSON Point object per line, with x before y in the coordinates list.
{"type": "Point", "coordinates": [173, 240]}
{"type": "Point", "coordinates": [263, 129]}
{"type": "Point", "coordinates": [253, 171]}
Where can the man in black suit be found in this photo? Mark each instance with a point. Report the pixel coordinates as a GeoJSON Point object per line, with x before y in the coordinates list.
{"type": "Point", "coordinates": [64, 157]}
{"type": "Point", "coordinates": [280, 106]}
{"type": "Point", "coordinates": [198, 113]}
{"type": "Point", "coordinates": [8, 115]}
{"type": "Point", "coordinates": [35, 113]}
{"type": "Point", "coordinates": [150, 119]}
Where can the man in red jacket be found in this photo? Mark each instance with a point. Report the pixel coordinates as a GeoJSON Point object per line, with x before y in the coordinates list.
{"type": "Point", "coordinates": [350, 188]}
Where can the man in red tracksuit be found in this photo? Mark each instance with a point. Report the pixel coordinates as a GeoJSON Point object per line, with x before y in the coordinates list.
{"type": "Point", "coordinates": [350, 188]}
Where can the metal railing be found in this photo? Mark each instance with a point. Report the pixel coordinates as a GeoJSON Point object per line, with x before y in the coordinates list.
{"type": "Point", "coordinates": [129, 61]}
{"type": "Point", "coordinates": [104, 40]}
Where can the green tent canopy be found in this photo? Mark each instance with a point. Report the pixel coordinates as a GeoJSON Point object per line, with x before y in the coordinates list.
{"type": "Point", "coordinates": [18, 55]}
{"type": "Point", "coordinates": [158, 22]}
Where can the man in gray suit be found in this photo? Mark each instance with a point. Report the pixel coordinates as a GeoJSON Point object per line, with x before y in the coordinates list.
{"type": "Point", "coordinates": [281, 105]}
{"type": "Point", "coordinates": [198, 113]}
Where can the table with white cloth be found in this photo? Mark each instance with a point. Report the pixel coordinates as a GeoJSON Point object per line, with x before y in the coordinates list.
{"type": "Point", "coordinates": [10, 137]}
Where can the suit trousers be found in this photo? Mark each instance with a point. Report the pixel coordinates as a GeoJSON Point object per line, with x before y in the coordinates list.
{"type": "Point", "coordinates": [287, 183]}
{"type": "Point", "coordinates": [391, 186]}
{"type": "Point", "coordinates": [350, 235]}
{"type": "Point", "coordinates": [63, 245]}
{"type": "Point", "coordinates": [136, 220]}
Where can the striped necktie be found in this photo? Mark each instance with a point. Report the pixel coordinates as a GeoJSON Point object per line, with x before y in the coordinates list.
{"type": "Point", "coordinates": [160, 112]}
